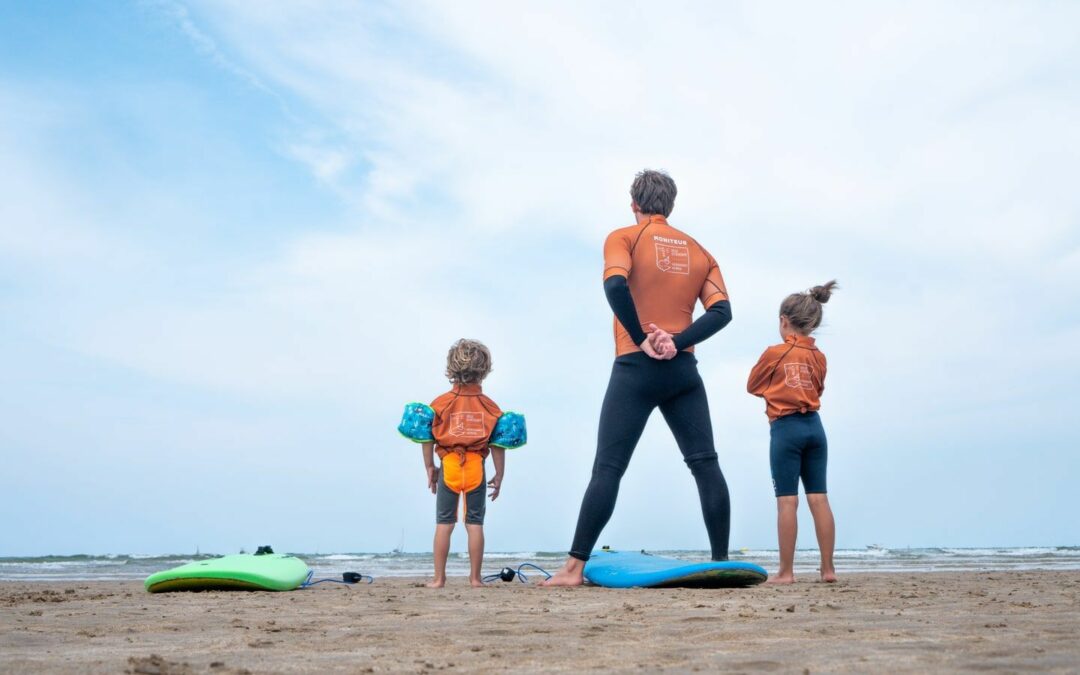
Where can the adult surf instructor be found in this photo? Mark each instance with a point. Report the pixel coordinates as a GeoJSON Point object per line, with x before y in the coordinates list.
{"type": "Point", "coordinates": [653, 276]}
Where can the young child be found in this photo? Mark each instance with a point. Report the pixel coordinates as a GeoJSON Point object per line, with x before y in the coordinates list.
{"type": "Point", "coordinates": [791, 377]}
{"type": "Point", "coordinates": [462, 427]}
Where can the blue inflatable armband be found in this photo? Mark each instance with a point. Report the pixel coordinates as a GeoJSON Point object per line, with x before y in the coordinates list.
{"type": "Point", "coordinates": [510, 431]}
{"type": "Point", "coordinates": [416, 422]}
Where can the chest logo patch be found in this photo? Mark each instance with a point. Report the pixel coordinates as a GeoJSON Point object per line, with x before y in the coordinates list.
{"type": "Point", "coordinates": [467, 424]}
{"type": "Point", "coordinates": [672, 259]}
{"type": "Point", "coordinates": [798, 375]}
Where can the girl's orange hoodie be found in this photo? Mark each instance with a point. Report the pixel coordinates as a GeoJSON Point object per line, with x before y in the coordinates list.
{"type": "Point", "coordinates": [790, 377]}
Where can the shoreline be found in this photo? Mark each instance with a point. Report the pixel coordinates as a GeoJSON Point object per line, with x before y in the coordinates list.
{"type": "Point", "coordinates": [121, 567]}
{"type": "Point", "coordinates": [913, 621]}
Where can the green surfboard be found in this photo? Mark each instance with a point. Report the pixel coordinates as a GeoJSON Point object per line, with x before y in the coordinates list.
{"type": "Point", "coordinates": [247, 572]}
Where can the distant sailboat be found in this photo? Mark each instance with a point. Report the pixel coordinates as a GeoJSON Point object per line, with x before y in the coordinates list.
{"type": "Point", "coordinates": [401, 545]}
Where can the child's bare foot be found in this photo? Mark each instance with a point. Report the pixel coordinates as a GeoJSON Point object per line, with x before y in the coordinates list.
{"type": "Point", "coordinates": [779, 579]}
{"type": "Point", "coordinates": [438, 583]}
{"type": "Point", "coordinates": [476, 583]}
{"type": "Point", "coordinates": [571, 574]}
{"type": "Point", "coordinates": [828, 576]}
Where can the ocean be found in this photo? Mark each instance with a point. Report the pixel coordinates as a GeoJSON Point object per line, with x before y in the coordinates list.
{"type": "Point", "coordinates": [870, 559]}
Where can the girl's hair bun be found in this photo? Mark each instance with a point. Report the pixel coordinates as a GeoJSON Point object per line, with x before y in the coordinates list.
{"type": "Point", "coordinates": [822, 293]}
{"type": "Point", "coordinates": [804, 310]}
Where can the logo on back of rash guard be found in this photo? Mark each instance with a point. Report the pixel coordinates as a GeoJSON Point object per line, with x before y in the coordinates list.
{"type": "Point", "coordinates": [466, 424]}
{"type": "Point", "coordinates": [672, 255]}
{"type": "Point", "coordinates": [797, 376]}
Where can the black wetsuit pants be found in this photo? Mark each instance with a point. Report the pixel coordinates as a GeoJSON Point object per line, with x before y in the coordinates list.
{"type": "Point", "coordinates": [638, 385]}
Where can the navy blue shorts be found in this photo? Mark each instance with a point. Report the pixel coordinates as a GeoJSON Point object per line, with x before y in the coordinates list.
{"type": "Point", "coordinates": [798, 449]}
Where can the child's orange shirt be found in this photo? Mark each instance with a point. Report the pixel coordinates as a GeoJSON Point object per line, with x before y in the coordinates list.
{"type": "Point", "coordinates": [667, 272]}
{"type": "Point", "coordinates": [790, 377]}
{"type": "Point", "coordinates": [464, 420]}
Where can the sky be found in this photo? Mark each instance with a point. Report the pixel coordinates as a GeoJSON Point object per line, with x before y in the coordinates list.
{"type": "Point", "coordinates": [236, 238]}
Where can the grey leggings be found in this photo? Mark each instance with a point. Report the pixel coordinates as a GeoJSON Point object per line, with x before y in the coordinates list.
{"type": "Point", "coordinates": [446, 501]}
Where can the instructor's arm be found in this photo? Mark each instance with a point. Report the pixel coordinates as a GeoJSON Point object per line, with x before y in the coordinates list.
{"type": "Point", "coordinates": [618, 295]}
{"type": "Point", "coordinates": [705, 326]}
{"type": "Point", "coordinates": [618, 260]}
{"type": "Point", "coordinates": [714, 298]}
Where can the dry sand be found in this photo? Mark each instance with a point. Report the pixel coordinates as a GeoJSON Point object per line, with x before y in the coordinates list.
{"type": "Point", "coordinates": [1004, 621]}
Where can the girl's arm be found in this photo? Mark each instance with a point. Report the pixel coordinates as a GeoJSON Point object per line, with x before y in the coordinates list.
{"type": "Point", "coordinates": [429, 465]}
{"type": "Point", "coordinates": [821, 378]}
{"type": "Point", "coordinates": [760, 375]}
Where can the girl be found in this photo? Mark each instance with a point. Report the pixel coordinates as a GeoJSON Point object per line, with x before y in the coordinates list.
{"type": "Point", "coordinates": [790, 377]}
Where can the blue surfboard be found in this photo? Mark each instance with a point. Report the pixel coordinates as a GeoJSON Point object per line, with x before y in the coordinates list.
{"type": "Point", "coordinates": [623, 569]}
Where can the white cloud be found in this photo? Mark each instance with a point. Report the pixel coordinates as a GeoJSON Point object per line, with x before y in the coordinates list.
{"type": "Point", "coordinates": [921, 154]}
{"type": "Point", "coordinates": [326, 162]}
{"type": "Point", "coordinates": [205, 45]}
{"type": "Point", "coordinates": [913, 111]}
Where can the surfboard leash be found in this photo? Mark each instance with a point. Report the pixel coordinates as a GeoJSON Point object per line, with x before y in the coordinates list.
{"type": "Point", "coordinates": [347, 578]}
{"type": "Point", "coordinates": [509, 574]}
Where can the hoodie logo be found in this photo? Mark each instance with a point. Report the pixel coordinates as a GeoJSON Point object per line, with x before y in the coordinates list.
{"type": "Point", "coordinates": [798, 375]}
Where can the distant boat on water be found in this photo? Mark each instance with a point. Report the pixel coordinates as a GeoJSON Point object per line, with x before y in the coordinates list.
{"type": "Point", "coordinates": [875, 547]}
{"type": "Point", "coordinates": [400, 549]}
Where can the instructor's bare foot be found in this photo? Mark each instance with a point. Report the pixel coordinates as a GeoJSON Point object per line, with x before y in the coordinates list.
{"type": "Point", "coordinates": [571, 574]}
{"type": "Point", "coordinates": [781, 579]}
{"type": "Point", "coordinates": [438, 583]}
{"type": "Point", "coordinates": [476, 583]}
{"type": "Point", "coordinates": [828, 576]}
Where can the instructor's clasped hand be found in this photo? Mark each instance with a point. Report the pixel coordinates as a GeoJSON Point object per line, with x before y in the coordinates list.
{"type": "Point", "coordinates": [659, 344]}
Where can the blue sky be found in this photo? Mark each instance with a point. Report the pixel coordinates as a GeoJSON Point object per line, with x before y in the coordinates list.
{"type": "Point", "coordinates": [235, 238]}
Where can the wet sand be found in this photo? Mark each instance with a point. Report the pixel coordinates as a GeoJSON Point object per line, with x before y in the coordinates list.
{"type": "Point", "coordinates": [1001, 621]}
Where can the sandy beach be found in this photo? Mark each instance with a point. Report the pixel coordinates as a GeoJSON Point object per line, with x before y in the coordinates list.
{"type": "Point", "coordinates": [999, 621]}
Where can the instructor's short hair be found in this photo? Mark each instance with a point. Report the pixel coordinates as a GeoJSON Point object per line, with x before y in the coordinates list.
{"type": "Point", "coordinates": [654, 192]}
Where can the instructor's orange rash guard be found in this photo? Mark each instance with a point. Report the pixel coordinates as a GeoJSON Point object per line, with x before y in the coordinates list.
{"type": "Point", "coordinates": [667, 272]}
{"type": "Point", "coordinates": [790, 377]}
{"type": "Point", "coordinates": [464, 420]}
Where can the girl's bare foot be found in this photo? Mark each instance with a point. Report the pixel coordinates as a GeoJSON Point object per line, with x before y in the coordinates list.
{"type": "Point", "coordinates": [571, 574]}
{"type": "Point", "coordinates": [438, 583]}
{"type": "Point", "coordinates": [779, 579]}
{"type": "Point", "coordinates": [476, 583]}
{"type": "Point", "coordinates": [828, 576]}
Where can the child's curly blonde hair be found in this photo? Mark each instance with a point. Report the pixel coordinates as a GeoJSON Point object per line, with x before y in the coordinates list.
{"type": "Point", "coordinates": [468, 362]}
